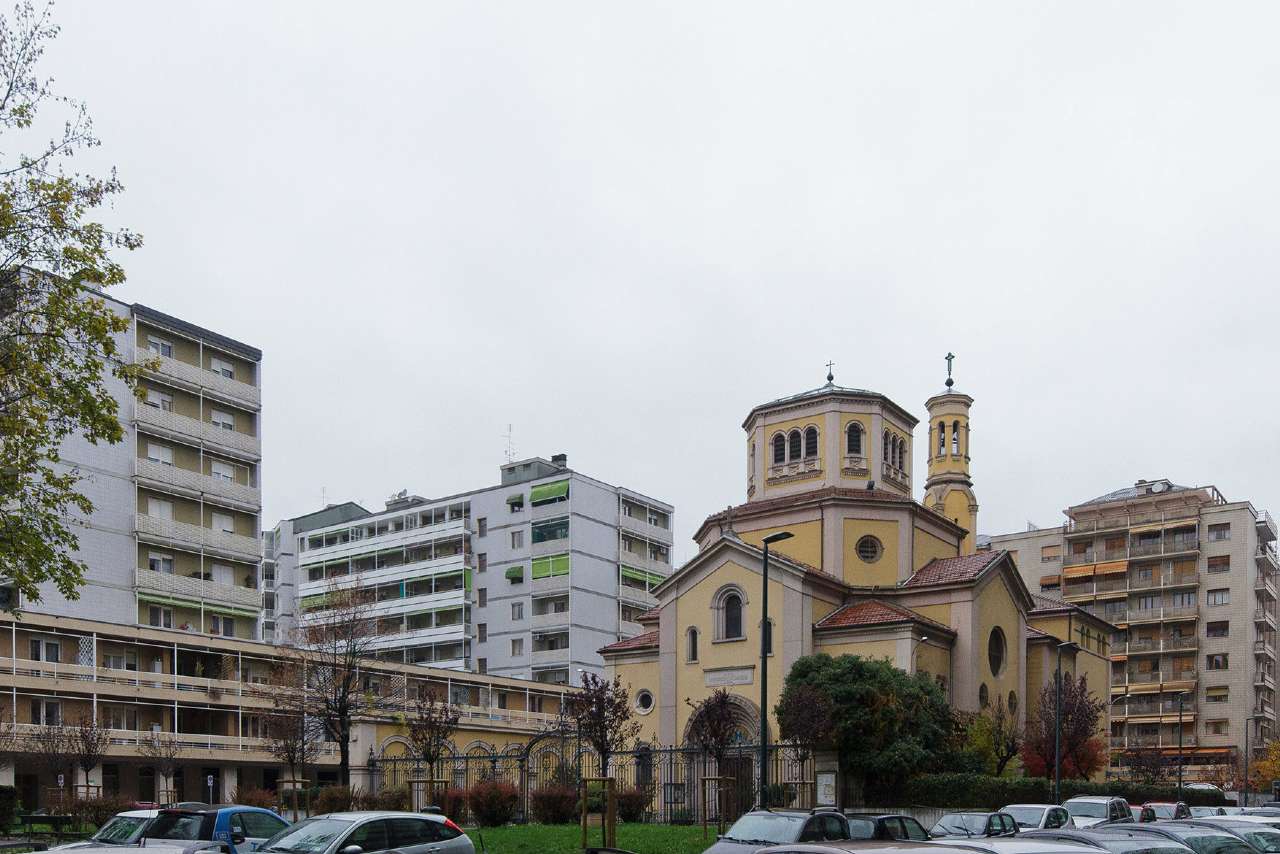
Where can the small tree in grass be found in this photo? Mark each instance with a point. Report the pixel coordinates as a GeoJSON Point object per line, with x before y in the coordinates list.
{"type": "Point", "coordinates": [713, 725]}
{"type": "Point", "coordinates": [88, 743]}
{"type": "Point", "coordinates": [601, 714]}
{"type": "Point", "coordinates": [430, 726]}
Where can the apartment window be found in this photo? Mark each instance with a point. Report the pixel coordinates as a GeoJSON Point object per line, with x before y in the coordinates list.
{"type": "Point", "coordinates": [1217, 533]}
{"type": "Point", "coordinates": [517, 611]}
{"type": "Point", "coordinates": [1049, 554]}
{"type": "Point", "coordinates": [482, 596]}
{"type": "Point", "coordinates": [225, 420]}
{"type": "Point", "coordinates": [224, 522]}
{"type": "Point", "coordinates": [157, 453]}
{"type": "Point", "coordinates": [1148, 602]}
{"type": "Point", "coordinates": [535, 703]}
{"type": "Point", "coordinates": [159, 400]}
{"type": "Point", "coordinates": [1215, 661]}
{"type": "Point", "coordinates": [222, 366]}
{"type": "Point", "coordinates": [482, 561]}
{"type": "Point", "coordinates": [1216, 695]}
{"type": "Point", "coordinates": [118, 661]}
{"type": "Point", "coordinates": [1217, 727]}
{"type": "Point", "coordinates": [1219, 629]}
{"type": "Point", "coordinates": [482, 526]}
{"type": "Point", "coordinates": [553, 529]}
{"type": "Point", "coordinates": [221, 470]}
{"type": "Point", "coordinates": [46, 650]}
{"type": "Point", "coordinates": [691, 644]}
{"type": "Point", "coordinates": [47, 712]}
{"type": "Point", "coordinates": [225, 626]}
{"type": "Point", "coordinates": [160, 562]}
{"type": "Point", "coordinates": [160, 509]}
{"type": "Point", "coordinates": [1220, 563]}
{"type": "Point", "coordinates": [1185, 599]}
{"type": "Point", "coordinates": [1222, 596]}
{"type": "Point", "coordinates": [482, 665]}
{"type": "Point", "coordinates": [161, 618]}
{"type": "Point", "coordinates": [482, 632]}
{"type": "Point", "coordinates": [159, 346]}
{"type": "Point", "coordinates": [517, 647]}
{"type": "Point", "coordinates": [517, 539]}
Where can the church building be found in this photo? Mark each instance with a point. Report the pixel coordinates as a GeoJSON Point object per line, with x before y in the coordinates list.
{"type": "Point", "coordinates": [867, 570]}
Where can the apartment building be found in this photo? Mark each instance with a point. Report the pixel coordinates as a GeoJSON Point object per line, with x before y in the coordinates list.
{"type": "Point", "coordinates": [173, 541]}
{"type": "Point", "coordinates": [1188, 579]}
{"type": "Point", "coordinates": [213, 694]}
{"type": "Point", "coordinates": [528, 578]}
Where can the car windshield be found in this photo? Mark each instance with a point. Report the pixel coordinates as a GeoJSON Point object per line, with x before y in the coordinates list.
{"type": "Point", "coordinates": [122, 828]}
{"type": "Point", "coordinates": [176, 825]}
{"type": "Point", "coordinates": [762, 827]}
{"type": "Point", "coordinates": [308, 836]}
{"type": "Point", "coordinates": [961, 823]}
{"type": "Point", "coordinates": [862, 828]}
{"type": "Point", "coordinates": [1201, 812]}
{"type": "Point", "coordinates": [1267, 841]}
{"type": "Point", "coordinates": [1086, 809]}
{"type": "Point", "coordinates": [1137, 846]}
{"type": "Point", "coordinates": [1026, 816]}
{"type": "Point", "coordinates": [1209, 842]}
{"type": "Point", "coordinates": [1163, 810]}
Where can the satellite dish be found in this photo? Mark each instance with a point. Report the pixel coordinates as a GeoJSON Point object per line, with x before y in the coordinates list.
{"type": "Point", "coordinates": [1157, 487]}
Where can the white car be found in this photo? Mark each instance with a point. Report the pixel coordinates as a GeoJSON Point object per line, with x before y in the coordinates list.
{"type": "Point", "coordinates": [124, 828]}
{"type": "Point", "coordinates": [1039, 816]}
{"type": "Point", "coordinates": [368, 832]}
{"type": "Point", "coordinates": [1094, 810]}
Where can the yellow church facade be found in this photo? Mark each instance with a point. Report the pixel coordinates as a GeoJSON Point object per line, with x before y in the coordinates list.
{"type": "Point", "coordinates": [868, 571]}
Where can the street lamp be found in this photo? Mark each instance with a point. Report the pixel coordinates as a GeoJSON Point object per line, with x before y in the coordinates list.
{"type": "Point", "coordinates": [1181, 695]}
{"type": "Point", "coordinates": [1248, 725]}
{"type": "Point", "coordinates": [1057, 722]}
{"type": "Point", "coordinates": [765, 639]}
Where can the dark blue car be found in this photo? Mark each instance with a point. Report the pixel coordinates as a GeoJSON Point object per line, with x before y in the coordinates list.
{"type": "Point", "coordinates": [247, 827]}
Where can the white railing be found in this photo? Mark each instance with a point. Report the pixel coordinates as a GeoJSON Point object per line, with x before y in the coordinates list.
{"type": "Point", "coordinates": [199, 589]}
{"type": "Point", "coordinates": [543, 657]}
{"type": "Point", "coordinates": [194, 375]}
{"type": "Point", "coordinates": [207, 432]}
{"type": "Point", "coordinates": [198, 535]}
{"type": "Point", "coordinates": [197, 482]}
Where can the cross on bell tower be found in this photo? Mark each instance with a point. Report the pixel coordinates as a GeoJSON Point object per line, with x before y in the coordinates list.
{"type": "Point", "coordinates": [831, 377]}
{"type": "Point", "coordinates": [949, 489]}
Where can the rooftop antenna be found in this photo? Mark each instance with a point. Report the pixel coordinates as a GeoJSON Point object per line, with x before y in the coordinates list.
{"type": "Point", "coordinates": [511, 448]}
{"type": "Point", "coordinates": [324, 497]}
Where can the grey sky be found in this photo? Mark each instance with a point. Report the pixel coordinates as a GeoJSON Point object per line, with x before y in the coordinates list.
{"type": "Point", "coordinates": [618, 227]}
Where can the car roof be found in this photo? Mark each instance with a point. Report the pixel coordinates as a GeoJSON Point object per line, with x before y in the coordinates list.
{"type": "Point", "coordinates": [361, 815]}
{"type": "Point", "coordinates": [1015, 845]}
{"type": "Point", "coordinates": [902, 846]}
{"type": "Point", "coordinates": [1097, 799]}
{"type": "Point", "coordinates": [1037, 806]}
{"type": "Point", "coordinates": [138, 814]}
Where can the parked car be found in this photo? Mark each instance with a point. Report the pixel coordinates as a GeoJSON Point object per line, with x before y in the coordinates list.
{"type": "Point", "coordinates": [1169, 810]}
{"type": "Point", "coordinates": [358, 832]}
{"type": "Point", "coordinates": [1021, 845]}
{"type": "Point", "coordinates": [967, 825]}
{"type": "Point", "coordinates": [1206, 812]}
{"type": "Point", "coordinates": [1199, 838]}
{"type": "Point", "coordinates": [907, 847]}
{"type": "Point", "coordinates": [232, 825]}
{"type": "Point", "coordinates": [761, 828]}
{"type": "Point", "coordinates": [1268, 820]}
{"type": "Point", "coordinates": [1142, 814]}
{"type": "Point", "coordinates": [1259, 834]}
{"type": "Point", "coordinates": [124, 828]}
{"type": "Point", "coordinates": [1094, 810]}
{"type": "Point", "coordinates": [1113, 838]}
{"type": "Point", "coordinates": [864, 825]}
{"type": "Point", "coordinates": [1039, 816]}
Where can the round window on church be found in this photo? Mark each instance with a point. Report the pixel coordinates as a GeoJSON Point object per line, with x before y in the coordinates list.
{"type": "Point", "coordinates": [996, 651]}
{"type": "Point", "coordinates": [869, 549]}
{"type": "Point", "coordinates": [644, 702]}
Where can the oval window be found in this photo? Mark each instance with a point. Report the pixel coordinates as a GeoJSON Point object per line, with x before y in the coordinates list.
{"type": "Point", "coordinates": [869, 549]}
{"type": "Point", "coordinates": [644, 702]}
{"type": "Point", "coordinates": [996, 651]}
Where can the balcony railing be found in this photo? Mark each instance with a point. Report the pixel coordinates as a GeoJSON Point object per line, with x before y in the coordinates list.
{"type": "Point", "coordinates": [1078, 558]}
{"type": "Point", "coordinates": [199, 590]}
{"type": "Point", "coordinates": [194, 376]}
{"type": "Point", "coordinates": [1266, 525]}
{"type": "Point", "coordinates": [198, 535]}
{"type": "Point", "coordinates": [205, 431]}
{"type": "Point", "coordinates": [1266, 555]}
{"type": "Point", "coordinates": [194, 481]}
{"type": "Point", "coordinates": [1110, 523]}
{"type": "Point", "coordinates": [1264, 615]}
{"type": "Point", "coordinates": [895, 474]}
{"type": "Point", "coordinates": [1264, 647]}
{"type": "Point", "coordinates": [1173, 545]}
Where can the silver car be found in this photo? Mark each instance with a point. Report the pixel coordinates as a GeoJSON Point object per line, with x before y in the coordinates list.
{"type": "Point", "coordinates": [369, 832]}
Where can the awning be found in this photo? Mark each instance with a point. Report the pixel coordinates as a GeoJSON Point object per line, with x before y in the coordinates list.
{"type": "Point", "coordinates": [1049, 580]}
{"type": "Point", "coordinates": [515, 573]}
{"type": "Point", "coordinates": [518, 498]}
{"type": "Point", "coordinates": [545, 492]}
{"type": "Point", "coordinates": [230, 611]}
{"type": "Point", "coordinates": [648, 578]}
{"type": "Point", "coordinates": [1085, 571]}
{"type": "Point", "coordinates": [1113, 567]}
{"type": "Point", "coordinates": [547, 567]}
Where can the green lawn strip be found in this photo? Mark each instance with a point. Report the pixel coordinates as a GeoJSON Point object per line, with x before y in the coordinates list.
{"type": "Point", "coordinates": [567, 838]}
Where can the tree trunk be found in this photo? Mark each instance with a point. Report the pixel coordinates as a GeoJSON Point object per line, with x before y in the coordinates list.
{"type": "Point", "coordinates": [344, 753]}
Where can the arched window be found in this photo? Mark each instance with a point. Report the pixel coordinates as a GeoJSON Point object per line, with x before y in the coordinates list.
{"type": "Point", "coordinates": [902, 454]}
{"type": "Point", "coordinates": [810, 442]}
{"type": "Point", "coordinates": [779, 449]}
{"type": "Point", "coordinates": [691, 644]}
{"type": "Point", "coordinates": [942, 438]}
{"type": "Point", "coordinates": [794, 445]}
{"type": "Point", "coordinates": [887, 449]}
{"type": "Point", "coordinates": [854, 439]}
{"type": "Point", "coordinates": [733, 616]}
{"type": "Point", "coordinates": [955, 438]}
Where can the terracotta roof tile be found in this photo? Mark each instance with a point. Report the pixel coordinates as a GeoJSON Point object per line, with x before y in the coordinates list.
{"type": "Point", "coordinates": [1032, 631]}
{"type": "Point", "coordinates": [644, 641]}
{"type": "Point", "coordinates": [1045, 604]}
{"type": "Point", "coordinates": [650, 616]}
{"type": "Point", "coordinates": [872, 612]}
{"type": "Point", "coordinates": [953, 570]}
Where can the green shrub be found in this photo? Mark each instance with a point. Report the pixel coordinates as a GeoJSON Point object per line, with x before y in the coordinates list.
{"type": "Point", "coordinates": [553, 804]}
{"type": "Point", "coordinates": [983, 791]}
{"type": "Point", "coordinates": [633, 803]}
{"type": "Point", "coordinates": [492, 803]}
{"type": "Point", "coordinates": [8, 805]}
{"type": "Point", "coordinates": [390, 798]}
{"type": "Point", "coordinates": [333, 799]}
{"type": "Point", "coordinates": [595, 799]}
{"type": "Point", "coordinates": [254, 798]}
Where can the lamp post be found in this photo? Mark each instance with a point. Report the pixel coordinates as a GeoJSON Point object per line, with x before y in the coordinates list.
{"type": "Point", "coordinates": [1181, 695]}
{"type": "Point", "coordinates": [765, 640]}
{"type": "Point", "coordinates": [1057, 723]}
{"type": "Point", "coordinates": [1248, 725]}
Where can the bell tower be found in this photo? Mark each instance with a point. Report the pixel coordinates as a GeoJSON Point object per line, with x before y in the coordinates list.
{"type": "Point", "coordinates": [949, 489]}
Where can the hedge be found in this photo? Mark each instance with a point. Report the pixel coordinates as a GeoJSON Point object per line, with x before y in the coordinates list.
{"type": "Point", "coordinates": [982, 791]}
{"type": "Point", "coordinates": [8, 805]}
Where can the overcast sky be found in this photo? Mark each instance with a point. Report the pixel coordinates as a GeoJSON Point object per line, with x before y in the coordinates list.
{"type": "Point", "coordinates": [618, 227]}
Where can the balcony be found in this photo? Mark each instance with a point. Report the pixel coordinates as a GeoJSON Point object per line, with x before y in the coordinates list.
{"type": "Point", "coordinates": [173, 423]}
{"type": "Point", "coordinates": [1264, 646]}
{"type": "Point", "coordinates": [640, 560]}
{"type": "Point", "coordinates": [1078, 558]}
{"type": "Point", "coordinates": [549, 620]}
{"type": "Point", "coordinates": [183, 533]}
{"type": "Point", "coordinates": [551, 657]}
{"type": "Point", "coordinates": [1107, 584]}
{"type": "Point", "coordinates": [1266, 526]}
{"type": "Point", "coordinates": [893, 474]}
{"type": "Point", "coordinates": [1171, 546]}
{"type": "Point", "coordinates": [196, 590]}
{"type": "Point", "coordinates": [1263, 679]}
{"type": "Point", "coordinates": [855, 465]}
{"type": "Point", "coordinates": [641, 527]}
{"type": "Point", "coordinates": [1264, 616]}
{"type": "Point", "coordinates": [1181, 612]}
{"type": "Point", "coordinates": [197, 483]}
{"type": "Point", "coordinates": [1090, 526]}
{"type": "Point", "coordinates": [795, 470]}
{"type": "Point", "coordinates": [551, 584]}
{"type": "Point", "coordinates": [1266, 557]}
{"type": "Point", "coordinates": [193, 376]}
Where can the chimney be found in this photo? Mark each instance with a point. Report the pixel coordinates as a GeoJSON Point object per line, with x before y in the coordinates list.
{"type": "Point", "coordinates": [561, 460]}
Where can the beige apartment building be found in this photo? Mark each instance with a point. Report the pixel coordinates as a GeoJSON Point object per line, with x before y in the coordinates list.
{"type": "Point", "coordinates": [1188, 579]}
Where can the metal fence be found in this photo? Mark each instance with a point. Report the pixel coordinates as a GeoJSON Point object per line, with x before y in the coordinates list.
{"type": "Point", "coordinates": [678, 783]}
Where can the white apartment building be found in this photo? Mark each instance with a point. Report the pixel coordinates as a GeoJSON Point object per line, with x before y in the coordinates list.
{"type": "Point", "coordinates": [525, 579]}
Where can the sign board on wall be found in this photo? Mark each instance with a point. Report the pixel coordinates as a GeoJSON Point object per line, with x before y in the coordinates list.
{"type": "Point", "coordinates": [826, 794]}
{"type": "Point", "coordinates": [724, 676]}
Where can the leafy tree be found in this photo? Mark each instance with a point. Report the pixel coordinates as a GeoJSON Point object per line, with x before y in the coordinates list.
{"type": "Point", "coordinates": [886, 724]}
{"type": "Point", "coordinates": [806, 719]}
{"type": "Point", "coordinates": [430, 727]}
{"type": "Point", "coordinates": [713, 724]}
{"type": "Point", "coordinates": [996, 735]}
{"type": "Point", "coordinates": [601, 714]}
{"type": "Point", "coordinates": [1083, 752]}
{"type": "Point", "coordinates": [57, 335]}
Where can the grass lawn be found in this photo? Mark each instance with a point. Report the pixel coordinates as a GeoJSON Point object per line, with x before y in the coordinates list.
{"type": "Point", "coordinates": [567, 838]}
